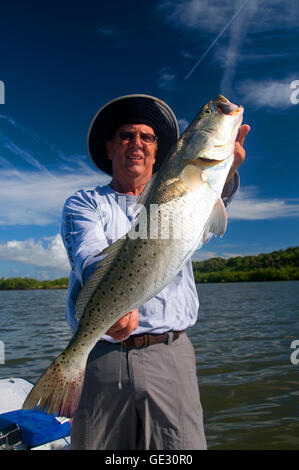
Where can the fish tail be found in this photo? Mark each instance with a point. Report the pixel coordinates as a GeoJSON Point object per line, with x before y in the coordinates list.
{"type": "Point", "coordinates": [59, 388]}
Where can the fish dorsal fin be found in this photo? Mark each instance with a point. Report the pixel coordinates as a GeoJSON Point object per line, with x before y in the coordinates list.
{"type": "Point", "coordinates": [101, 268]}
{"type": "Point", "coordinates": [217, 222]}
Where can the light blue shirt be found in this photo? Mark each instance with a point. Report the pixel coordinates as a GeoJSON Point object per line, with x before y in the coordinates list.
{"type": "Point", "coordinates": [96, 218]}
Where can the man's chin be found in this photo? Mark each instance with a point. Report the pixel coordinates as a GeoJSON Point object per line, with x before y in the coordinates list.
{"type": "Point", "coordinates": [136, 169]}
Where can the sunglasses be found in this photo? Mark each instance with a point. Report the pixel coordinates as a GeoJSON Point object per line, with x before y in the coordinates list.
{"type": "Point", "coordinates": [146, 137]}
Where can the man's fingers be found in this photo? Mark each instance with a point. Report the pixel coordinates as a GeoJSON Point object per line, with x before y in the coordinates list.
{"type": "Point", "coordinates": [242, 133]}
{"type": "Point", "coordinates": [121, 323]}
{"type": "Point", "coordinates": [125, 325]}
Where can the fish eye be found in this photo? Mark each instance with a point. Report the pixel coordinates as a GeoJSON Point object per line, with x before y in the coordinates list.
{"type": "Point", "coordinates": [208, 110]}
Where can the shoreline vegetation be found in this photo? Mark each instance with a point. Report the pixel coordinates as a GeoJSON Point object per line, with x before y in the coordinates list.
{"type": "Point", "coordinates": [282, 265]}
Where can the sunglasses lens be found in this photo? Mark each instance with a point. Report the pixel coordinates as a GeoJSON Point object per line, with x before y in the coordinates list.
{"type": "Point", "coordinates": [146, 137]}
{"type": "Point", "coordinates": [126, 136]}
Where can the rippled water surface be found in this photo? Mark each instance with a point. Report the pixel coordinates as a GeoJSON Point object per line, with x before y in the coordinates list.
{"type": "Point", "coordinates": [249, 387]}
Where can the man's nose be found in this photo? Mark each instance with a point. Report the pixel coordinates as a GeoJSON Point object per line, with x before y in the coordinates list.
{"type": "Point", "coordinates": [137, 140]}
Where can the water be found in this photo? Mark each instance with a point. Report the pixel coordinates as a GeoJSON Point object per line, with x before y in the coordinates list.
{"type": "Point", "coordinates": [249, 387]}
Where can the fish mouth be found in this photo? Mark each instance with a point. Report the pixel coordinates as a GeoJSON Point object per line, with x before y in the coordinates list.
{"type": "Point", "coordinates": [207, 162]}
{"type": "Point", "coordinates": [224, 106]}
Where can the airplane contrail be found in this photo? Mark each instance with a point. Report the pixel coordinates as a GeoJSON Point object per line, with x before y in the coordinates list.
{"type": "Point", "coordinates": [216, 39]}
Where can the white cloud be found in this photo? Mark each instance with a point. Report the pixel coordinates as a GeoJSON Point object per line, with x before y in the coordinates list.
{"type": "Point", "coordinates": [37, 197]}
{"type": "Point", "coordinates": [187, 55]}
{"type": "Point", "coordinates": [225, 26]}
{"type": "Point", "coordinates": [196, 14]}
{"type": "Point", "coordinates": [269, 93]}
{"type": "Point", "coordinates": [210, 16]}
{"type": "Point", "coordinates": [166, 79]}
{"type": "Point", "coordinates": [202, 254]}
{"type": "Point", "coordinates": [17, 125]}
{"type": "Point", "coordinates": [48, 253]}
{"type": "Point", "coordinates": [8, 144]}
{"type": "Point", "coordinates": [215, 20]}
{"type": "Point", "coordinates": [248, 206]}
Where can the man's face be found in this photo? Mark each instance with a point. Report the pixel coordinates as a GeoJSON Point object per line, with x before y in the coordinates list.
{"type": "Point", "coordinates": [132, 157]}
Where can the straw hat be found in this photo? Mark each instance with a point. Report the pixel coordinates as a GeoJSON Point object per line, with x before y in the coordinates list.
{"type": "Point", "coordinates": [131, 109]}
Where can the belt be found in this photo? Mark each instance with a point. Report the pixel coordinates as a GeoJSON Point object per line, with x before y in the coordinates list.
{"type": "Point", "coordinates": [140, 341]}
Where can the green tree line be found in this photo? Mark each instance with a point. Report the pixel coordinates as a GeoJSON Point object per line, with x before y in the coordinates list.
{"type": "Point", "coordinates": [25, 283]}
{"type": "Point", "coordinates": [275, 266]}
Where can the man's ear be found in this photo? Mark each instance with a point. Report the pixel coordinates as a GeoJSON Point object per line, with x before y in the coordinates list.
{"type": "Point", "coordinates": [156, 153]}
{"type": "Point", "coordinates": [109, 149]}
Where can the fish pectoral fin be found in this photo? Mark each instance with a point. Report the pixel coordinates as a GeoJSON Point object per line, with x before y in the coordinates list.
{"type": "Point", "coordinates": [217, 222]}
{"type": "Point", "coordinates": [191, 175]}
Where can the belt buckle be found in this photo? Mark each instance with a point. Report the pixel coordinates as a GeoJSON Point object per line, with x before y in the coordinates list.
{"type": "Point", "coordinates": [138, 341]}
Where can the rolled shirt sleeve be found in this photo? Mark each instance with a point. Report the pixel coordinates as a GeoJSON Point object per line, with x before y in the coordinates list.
{"type": "Point", "coordinates": [82, 232]}
{"type": "Point", "coordinates": [91, 220]}
{"type": "Point", "coordinates": [83, 235]}
{"type": "Point", "coordinates": [230, 189]}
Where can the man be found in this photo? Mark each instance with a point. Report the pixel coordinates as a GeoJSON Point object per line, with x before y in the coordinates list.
{"type": "Point", "coordinates": [140, 389]}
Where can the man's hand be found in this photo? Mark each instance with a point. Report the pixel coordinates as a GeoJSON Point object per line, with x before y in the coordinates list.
{"type": "Point", "coordinates": [123, 328]}
{"type": "Point", "coordinates": [239, 153]}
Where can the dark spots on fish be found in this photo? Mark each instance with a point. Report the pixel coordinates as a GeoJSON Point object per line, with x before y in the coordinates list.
{"type": "Point", "coordinates": [111, 288]}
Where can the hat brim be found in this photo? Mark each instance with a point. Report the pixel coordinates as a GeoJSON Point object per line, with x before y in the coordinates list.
{"type": "Point", "coordinates": [131, 109]}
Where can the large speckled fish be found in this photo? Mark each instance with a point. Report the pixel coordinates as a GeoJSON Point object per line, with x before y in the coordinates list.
{"type": "Point", "coordinates": [179, 208]}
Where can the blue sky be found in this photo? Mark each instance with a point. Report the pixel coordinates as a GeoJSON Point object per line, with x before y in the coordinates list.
{"type": "Point", "coordinates": [61, 61]}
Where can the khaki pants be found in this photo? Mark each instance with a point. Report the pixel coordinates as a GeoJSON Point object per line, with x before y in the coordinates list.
{"type": "Point", "coordinates": [158, 406]}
